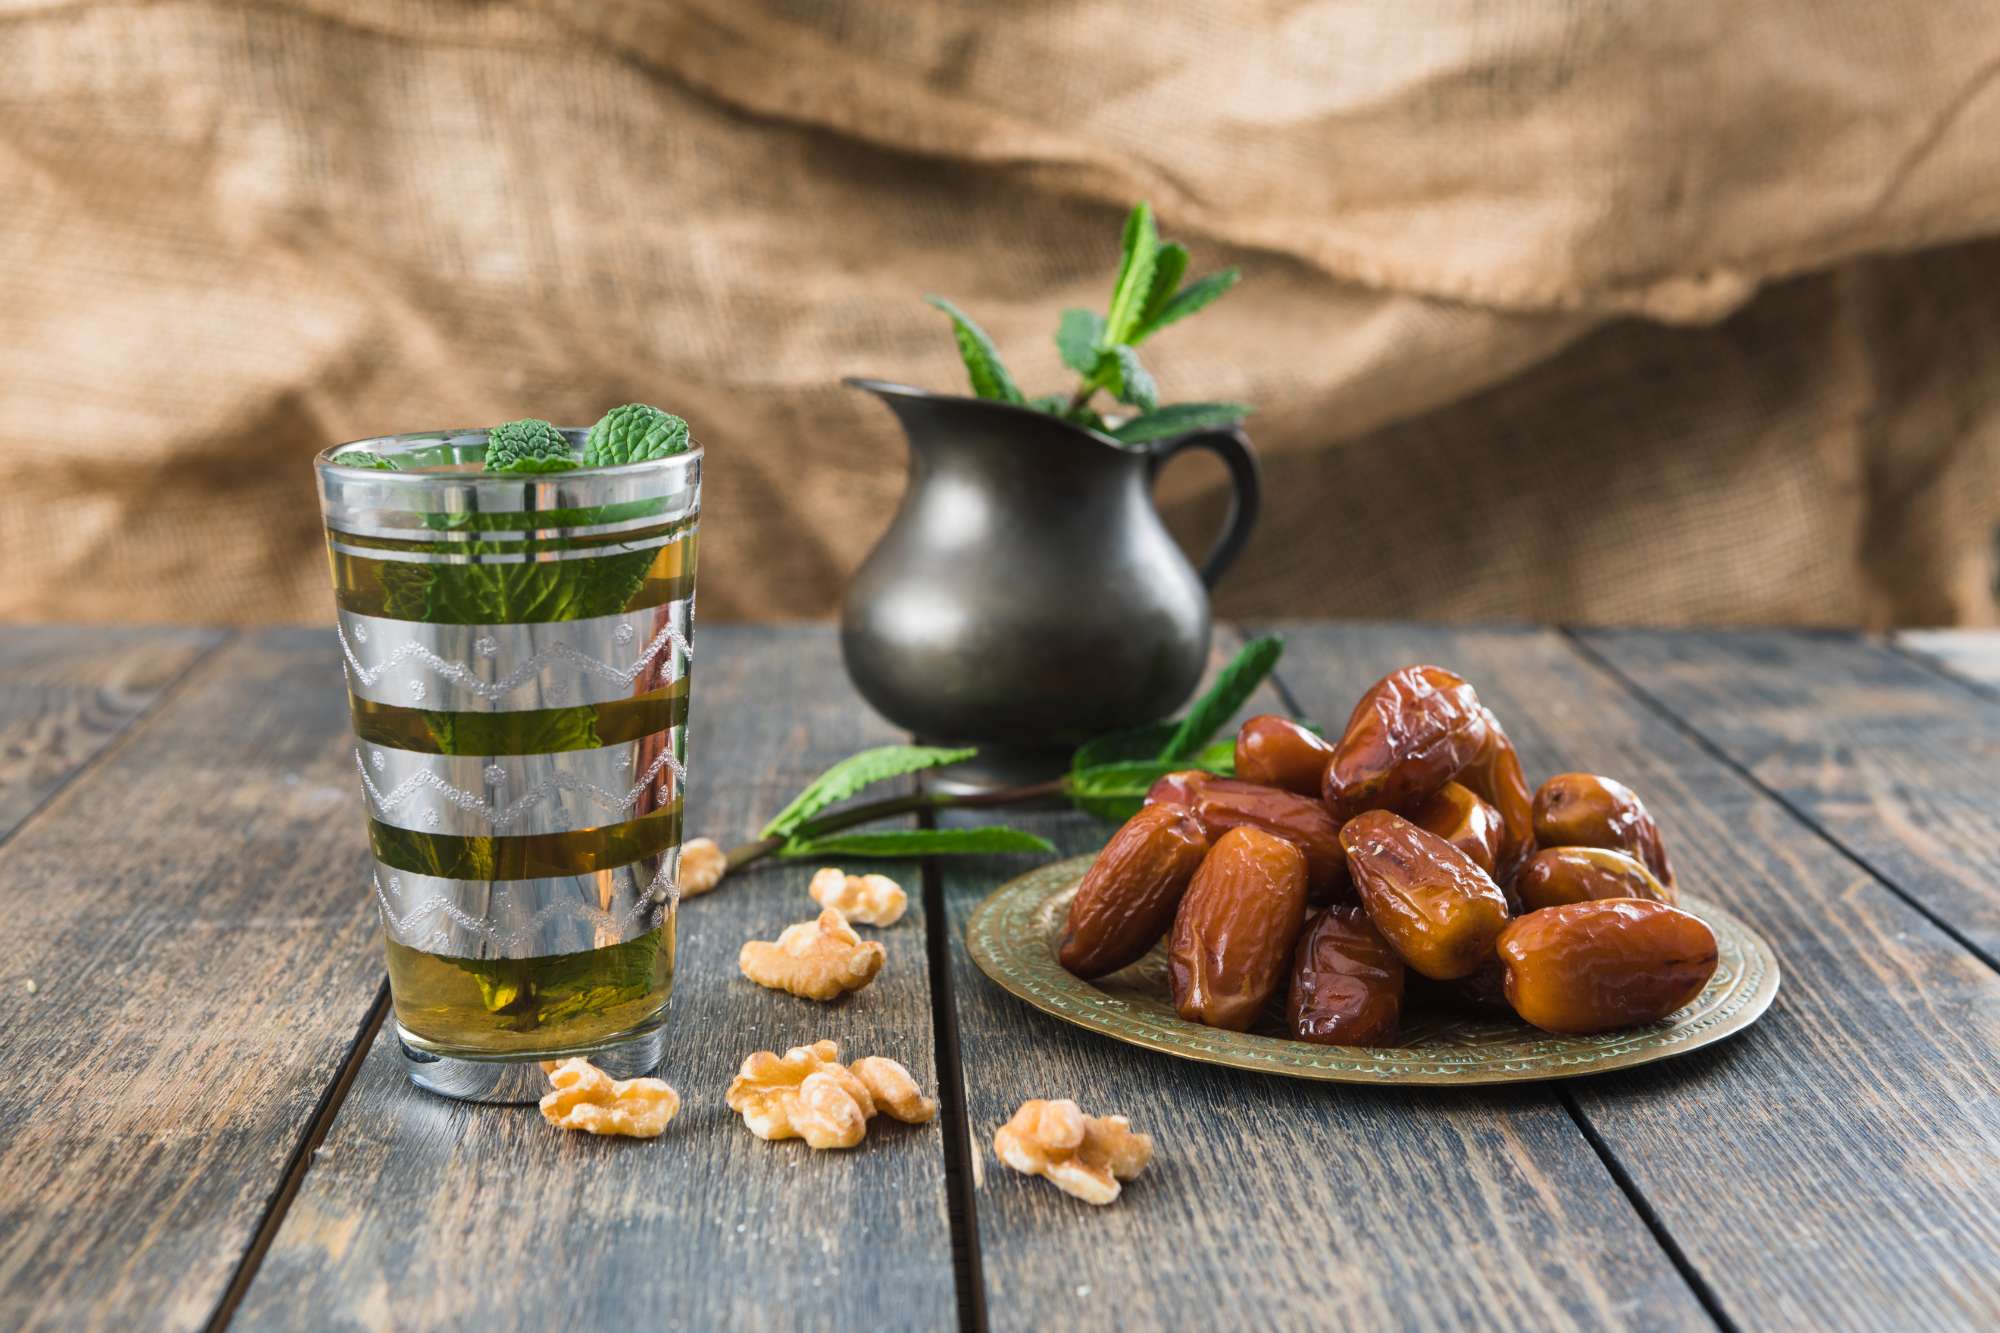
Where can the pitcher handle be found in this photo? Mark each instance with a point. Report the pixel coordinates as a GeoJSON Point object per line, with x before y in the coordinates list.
{"type": "Point", "coordinates": [1232, 446]}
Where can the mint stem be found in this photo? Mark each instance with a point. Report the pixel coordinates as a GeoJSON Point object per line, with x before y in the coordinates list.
{"type": "Point", "coordinates": [870, 811]}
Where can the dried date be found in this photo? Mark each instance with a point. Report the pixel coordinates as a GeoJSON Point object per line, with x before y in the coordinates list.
{"type": "Point", "coordinates": [1431, 901]}
{"type": "Point", "coordinates": [1413, 731]}
{"type": "Point", "coordinates": [1277, 752]}
{"type": "Point", "coordinates": [1130, 893]}
{"type": "Point", "coordinates": [1596, 966]}
{"type": "Point", "coordinates": [1222, 804]}
{"type": "Point", "coordinates": [1232, 940]}
{"type": "Point", "coordinates": [1465, 821]}
{"type": "Point", "coordinates": [1495, 776]}
{"type": "Point", "coordinates": [1347, 983]}
{"type": "Point", "coordinates": [1558, 875]}
{"type": "Point", "coordinates": [1585, 810]}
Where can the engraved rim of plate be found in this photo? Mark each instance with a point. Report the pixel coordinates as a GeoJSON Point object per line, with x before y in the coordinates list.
{"type": "Point", "coordinates": [659, 900]}
{"type": "Point", "coordinates": [433, 801]}
{"type": "Point", "coordinates": [533, 648]}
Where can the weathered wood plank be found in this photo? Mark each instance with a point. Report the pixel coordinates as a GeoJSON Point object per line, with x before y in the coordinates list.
{"type": "Point", "coordinates": [203, 956]}
{"type": "Point", "coordinates": [1835, 1166]}
{"type": "Point", "coordinates": [67, 691]}
{"type": "Point", "coordinates": [422, 1211]}
{"type": "Point", "coordinates": [1971, 653]}
{"type": "Point", "coordinates": [1277, 1203]}
{"type": "Point", "coordinates": [1896, 764]}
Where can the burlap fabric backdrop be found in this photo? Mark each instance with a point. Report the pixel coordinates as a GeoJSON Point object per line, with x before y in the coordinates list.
{"type": "Point", "coordinates": [1599, 310]}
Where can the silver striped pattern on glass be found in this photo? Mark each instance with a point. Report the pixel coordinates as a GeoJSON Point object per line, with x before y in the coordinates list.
{"type": "Point", "coordinates": [527, 918]}
{"type": "Point", "coordinates": [508, 668]}
{"type": "Point", "coordinates": [513, 795]}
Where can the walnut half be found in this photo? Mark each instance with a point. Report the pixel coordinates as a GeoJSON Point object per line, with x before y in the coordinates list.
{"type": "Point", "coordinates": [703, 864]}
{"type": "Point", "coordinates": [587, 1098]}
{"type": "Point", "coordinates": [873, 900]}
{"type": "Point", "coordinates": [815, 960]}
{"type": "Point", "coordinates": [808, 1094]}
{"type": "Point", "coordinates": [1086, 1156]}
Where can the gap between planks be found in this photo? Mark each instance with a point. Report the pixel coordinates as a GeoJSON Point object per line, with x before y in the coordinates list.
{"type": "Point", "coordinates": [961, 1198]}
{"type": "Point", "coordinates": [1716, 752]}
{"type": "Point", "coordinates": [1566, 1097]}
{"type": "Point", "coordinates": [301, 1161]}
{"type": "Point", "coordinates": [133, 726]}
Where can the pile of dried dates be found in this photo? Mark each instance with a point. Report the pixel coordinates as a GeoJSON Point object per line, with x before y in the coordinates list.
{"type": "Point", "coordinates": [1326, 873]}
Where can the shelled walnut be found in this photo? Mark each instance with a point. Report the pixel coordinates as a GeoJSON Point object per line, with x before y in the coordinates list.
{"type": "Point", "coordinates": [873, 900]}
{"type": "Point", "coordinates": [702, 866]}
{"type": "Point", "coordinates": [808, 1094]}
{"type": "Point", "coordinates": [814, 960]}
{"type": "Point", "coordinates": [1085, 1156]}
{"type": "Point", "coordinates": [587, 1098]}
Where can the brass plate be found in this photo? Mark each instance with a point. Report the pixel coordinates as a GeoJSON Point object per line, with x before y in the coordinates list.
{"type": "Point", "coordinates": [1012, 937]}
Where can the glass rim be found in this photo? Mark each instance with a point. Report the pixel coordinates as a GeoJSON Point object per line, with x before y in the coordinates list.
{"type": "Point", "coordinates": [326, 459]}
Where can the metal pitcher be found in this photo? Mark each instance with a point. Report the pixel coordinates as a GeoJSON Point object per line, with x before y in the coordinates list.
{"type": "Point", "coordinates": [1026, 596]}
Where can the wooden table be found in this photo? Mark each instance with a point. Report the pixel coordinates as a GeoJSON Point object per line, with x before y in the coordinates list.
{"type": "Point", "coordinates": [203, 1122]}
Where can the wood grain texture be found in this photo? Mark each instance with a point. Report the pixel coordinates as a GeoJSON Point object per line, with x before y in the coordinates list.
{"type": "Point", "coordinates": [1836, 1165]}
{"type": "Point", "coordinates": [67, 691]}
{"type": "Point", "coordinates": [193, 916]}
{"type": "Point", "coordinates": [423, 1212]}
{"type": "Point", "coordinates": [1279, 1203]}
{"type": "Point", "coordinates": [1895, 763]}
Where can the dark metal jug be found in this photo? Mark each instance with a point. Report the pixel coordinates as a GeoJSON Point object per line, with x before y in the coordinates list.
{"type": "Point", "coordinates": [1026, 595]}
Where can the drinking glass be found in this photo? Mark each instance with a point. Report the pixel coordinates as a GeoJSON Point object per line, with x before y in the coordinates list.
{"type": "Point", "coordinates": [517, 649]}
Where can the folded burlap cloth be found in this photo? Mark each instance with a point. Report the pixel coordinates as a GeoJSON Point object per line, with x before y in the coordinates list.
{"type": "Point", "coordinates": [1593, 311]}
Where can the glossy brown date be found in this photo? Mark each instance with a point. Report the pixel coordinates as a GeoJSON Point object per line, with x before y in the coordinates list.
{"type": "Point", "coordinates": [1278, 752]}
{"type": "Point", "coordinates": [1596, 966]}
{"type": "Point", "coordinates": [1412, 732]}
{"type": "Point", "coordinates": [1222, 804]}
{"type": "Point", "coordinates": [1585, 810]}
{"type": "Point", "coordinates": [1465, 821]}
{"type": "Point", "coordinates": [1495, 776]}
{"type": "Point", "coordinates": [1232, 940]}
{"type": "Point", "coordinates": [1558, 875]}
{"type": "Point", "coordinates": [1129, 895]}
{"type": "Point", "coordinates": [1432, 902]}
{"type": "Point", "coordinates": [1347, 983]}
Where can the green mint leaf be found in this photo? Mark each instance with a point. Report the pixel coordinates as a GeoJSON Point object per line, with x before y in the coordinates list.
{"type": "Point", "coordinates": [1051, 403]}
{"type": "Point", "coordinates": [853, 773]}
{"type": "Point", "coordinates": [368, 459]}
{"type": "Point", "coordinates": [1167, 273]}
{"type": "Point", "coordinates": [635, 433]}
{"type": "Point", "coordinates": [528, 445]}
{"type": "Point", "coordinates": [531, 590]}
{"type": "Point", "coordinates": [982, 359]}
{"type": "Point", "coordinates": [1115, 791]}
{"type": "Point", "coordinates": [920, 842]}
{"type": "Point", "coordinates": [1179, 419]}
{"type": "Point", "coordinates": [1080, 338]}
{"type": "Point", "coordinates": [1118, 747]}
{"type": "Point", "coordinates": [1188, 300]}
{"type": "Point", "coordinates": [1135, 276]}
{"type": "Point", "coordinates": [1135, 383]}
{"type": "Point", "coordinates": [1233, 686]}
{"type": "Point", "coordinates": [1088, 419]}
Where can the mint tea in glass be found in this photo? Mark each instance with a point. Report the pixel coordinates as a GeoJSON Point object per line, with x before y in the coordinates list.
{"type": "Point", "coordinates": [516, 622]}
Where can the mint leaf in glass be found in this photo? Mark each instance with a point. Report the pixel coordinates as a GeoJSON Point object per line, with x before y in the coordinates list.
{"type": "Point", "coordinates": [529, 445]}
{"type": "Point", "coordinates": [366, 458]}
{"type": "Point", "coordinates": [634, 433]}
